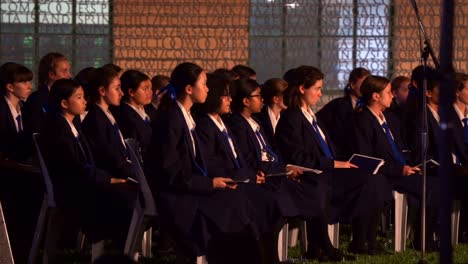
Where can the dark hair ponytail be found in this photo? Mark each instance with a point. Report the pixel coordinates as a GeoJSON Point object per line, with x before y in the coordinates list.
{"type": "Point", "coordinates": [183, 74]}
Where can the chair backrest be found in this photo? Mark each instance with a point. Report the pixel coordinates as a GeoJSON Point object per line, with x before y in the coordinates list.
{"type": "Point", "coordinates": [150, 206]}
{"type": "Point", "coordinates": [45, 173]}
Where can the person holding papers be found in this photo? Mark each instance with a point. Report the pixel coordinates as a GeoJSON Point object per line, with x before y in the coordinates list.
{"type": "Point", "coordinates": [354, 196]}
{"type": "Point", "coordinates": [223, 157]}
{"type": "Point", "coordinates": [86, 196]}
{"type": "Point", "coordinates": [374, 137]}
{"type": "Point", "coordinates": [259, 154]}
{"type": "Point", "coordinates": [204, 213]}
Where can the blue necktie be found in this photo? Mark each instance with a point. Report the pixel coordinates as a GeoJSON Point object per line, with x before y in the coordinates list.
{"type": "Point", "coordinates": [270, 153]}
{"type": "Point", "coordinates": [147, 121]}
{"type": "Point", "coordinates": [20, 124]}
{"type": "Point", "coordinates": [323, 143]}
{"type": "Point", "coordinates": [198, 161]}
{"type": "Point", "coordinates": [396, 152]}
{"type": "Point", "coordinates": [226, 135]}
{"type": "Point", "coordinates": [465, 129]}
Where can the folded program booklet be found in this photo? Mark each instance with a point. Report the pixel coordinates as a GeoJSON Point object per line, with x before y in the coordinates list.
{"type": "Point", "coordinates": [367, 163]}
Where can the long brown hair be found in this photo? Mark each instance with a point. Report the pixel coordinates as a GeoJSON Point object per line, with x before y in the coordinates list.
{"type": "Point", "coordinates": [305, 76]}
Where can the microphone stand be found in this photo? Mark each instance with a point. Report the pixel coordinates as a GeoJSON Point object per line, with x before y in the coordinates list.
{"type": "Point", "coordinates": [425, 53]}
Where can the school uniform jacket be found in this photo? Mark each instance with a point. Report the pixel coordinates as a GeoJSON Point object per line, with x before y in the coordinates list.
{"type": "Point", "coordinates": [336, 119]}
{"type": "Point", "coordinates": [179, 180]}
{"type": "Point", "coordinates": [35, 109]}
{"type": "Point", "coordinates": [70, 162]}
{"type": "Point", "coordinates": [14, 145]}
{"type": "Point", "coordinates": [217, 150]}
{"type": "Point", "coordinates": [298, 142]}
{"type": "Point", "coordinates": [106, 145]}
{"type": "Point", "coordinates": [133, 126]}
{"type": "Point", "coordinates": [249, 145]}
{"type": "Point", "coordinates": [263, 118]}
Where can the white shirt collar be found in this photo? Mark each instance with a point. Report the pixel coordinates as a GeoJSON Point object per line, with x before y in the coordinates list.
{"type": "Point", "coordinates": [309, 114]}
{"type": "Point", "coordinates": [187, 116]}
{"type": "Point", "coordinates": [273, 119]}
{"type": "Point", "coordinates": [434, 114]}
{"type": "Point", "coordinates": [113, 122]}
{"type": "Point", "coordinates": [459, 112]}
{"type": "Point", "coordinates": [72, 127]}
{"type": "Point", "coordinates": [222, 128]}
{"type": "Point", "coordinates": [252, 123]}
{"type": "Point", "coordinates": [140, 111]}
{"type": "Point", "coordinates": [381, 120]}
{"type": "Point", "coordinates": [14, 112]}
{"type": "Point", "coordinates": [219, 124]}
{"type": "Point", "coordinates": [108, 114]}
{"type": "Point", "coordinates": [190, 124]}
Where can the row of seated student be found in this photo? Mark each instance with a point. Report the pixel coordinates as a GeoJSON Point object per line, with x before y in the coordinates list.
{"type": "Point", "coordinates": [199, 170]}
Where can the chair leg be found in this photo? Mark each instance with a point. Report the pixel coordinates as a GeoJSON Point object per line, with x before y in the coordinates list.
{"type": "Point", "coordinates": [135, 224]}
{"type": "Point", "coordinates": [455, 222]}
{"type": "Point", "coordinates": [146, 243]}
{"type": "Point", "coordinates": [38, 233]}
{"type": "Point", "coordinates": [401, 217]}
{"type": "Point", "coordinates": [97, 250]}
{"type": "Point", "coordinates": [283, 243]}
{"type": "Point", "coordinates": [55, 225]}
{"type": "Point", "coordinates": [5, 249]}
{"type": "Point", "coordinates": [303, 231]}
{"type": "Point", "coordinates": [293, 236]}
{"type": "Point", "coordinates": [334, 234]}
{"type": "Point", "coordinates": [80, 240]}
{"type": "Point", "coordinates": [202, 260]}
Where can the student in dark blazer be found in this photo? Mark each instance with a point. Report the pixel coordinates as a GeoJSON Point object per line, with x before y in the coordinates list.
{"type": "Point", "coordinates": [272, 94]}
{"type": "Point", "coordinates": [196, 209]}
{"type": "Point", "coordinates": [106, 141]}
{"type": "Point", "coordinates": [375, 137]}
{"type": "Point", "coordinates": [223, 157]}
{"type": "Point", "coordinates": [15, 87]}
{"type": "Point", "coordinates": [15, 151]}
{"type": "Point", "coordinates": [86, 196]}
{"type": "Point", "coordinates": [131, 116]}
{"type": "Point", "coordinates": [356, 196]}
{"type": "Point", "coordinates": [307, 198]}
{"type": "Point", "coordinates": [100, 127]}
{"type": "Point", "coordinates": [53, 66]}
{"type": "Point", "coordinates": [337, 115]}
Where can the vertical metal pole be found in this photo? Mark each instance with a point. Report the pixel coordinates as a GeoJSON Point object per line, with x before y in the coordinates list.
{"type": "Point", "coordinates": [446, 101]}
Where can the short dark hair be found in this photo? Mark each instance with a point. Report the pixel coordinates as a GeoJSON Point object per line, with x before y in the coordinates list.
{"type": "Point", "coordinates": [240, 89]}
{"type": "Point", "coordinates": [218, 86]}
{"type": "Point", "coordinates": [243, 71]}
{"type": "Point", "coordinates": [158, 82]}
{"type": "Point", "coordinates": [305, 76]}
{"type": "Point", "coordinates": [131, 80]}
{"type": "Point", "coordinates": [372, 84]}
{"type": "Point", "coordinates": [433, 77]}
{"type": "Point", "coordinates": [84, 78]}
{"type": "Point", "coordinates": [228, 74]}
{"type": "Point", "coordinates": [12, 72]}
{"type": "Point", "coordinates": [396, 83]}
{"type": "Point", "coordinates": [273, 87]}
{"type": "Point", "coordinates": [354, 76]}
{"type": "Point", "coordinates": [61, 90]}
{"type": "Point", "coordinates": [100, 77]}
{"type": "Point", "coordinates": [460, 79]}
{"type": "Point", "coordinates": [48, 64]}
{"type": "Point", "coordinates": [114, 67]}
